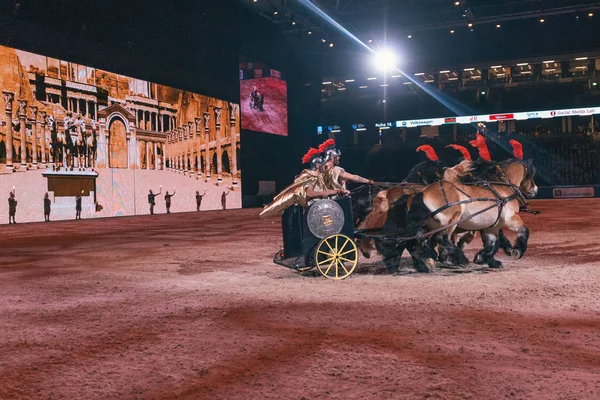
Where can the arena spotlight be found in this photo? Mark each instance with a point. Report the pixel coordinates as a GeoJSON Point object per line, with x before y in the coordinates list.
{"type": "Point", "coordinates": [498, 26]}
{"type": "Point", "coordinates": [410, 36]}
{"type": "Point", "coordinates": [310, 32]}
{"type": "Point", "coordinates": [385, 60]}
{"type": "Point", "coordinates": [590, 14]}
{"type": "Point", "coordinates": [470, 25]}
{"type": "Point", "coordinates": [542, 20]}
{"type": "Point", "coordinates": [330, 44]}
{"type": "Point", "coordinates": [452, 31]}
{"type": "Point", "coordinates": [457, 3]}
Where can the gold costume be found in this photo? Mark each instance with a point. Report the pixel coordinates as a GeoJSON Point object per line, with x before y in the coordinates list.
{"type": "Point", "coordinates": [333, 180]}
{"type": "Point", "coordinates": [295, 193]}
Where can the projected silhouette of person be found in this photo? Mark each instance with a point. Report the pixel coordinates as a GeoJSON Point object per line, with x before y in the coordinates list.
{"type": "Point", "coordinates": [47, 208]}
{"type": "Point", "coordinates": [168, 201]}
{"type": "Point", "coordinates": [224, 200]}
{"type": "Point", "coordinates": [199, 199]}
{"type": "Point", "coordinates": [12, 208]}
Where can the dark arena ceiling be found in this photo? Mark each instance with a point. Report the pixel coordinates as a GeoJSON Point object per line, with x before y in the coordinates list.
{"type": "Point", "coordinates": [429, 33]}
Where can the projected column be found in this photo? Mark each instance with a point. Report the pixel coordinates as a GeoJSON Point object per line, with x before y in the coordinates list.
{"type": "Point", "coordinates": [43, 137]}
{"type": "Point", "coordinates": [198, 122]}
{"type": "Point", "coordinates": [191, 146]}
{"type": "Point", "coordinates": [22, 104]}
{"type": "Point", "coordinates": [218, 111]}
{"type": "Point", "coordinates": [234, 112]}
{"type": "Point", "coordinates": [33, 111]}
{"type": "Point", "coordinates": [8, 100]}
{"type": "Point", "coordinates": [207, 138]}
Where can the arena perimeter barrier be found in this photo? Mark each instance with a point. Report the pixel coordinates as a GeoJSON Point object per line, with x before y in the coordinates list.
{"type": "Point", "coordinates": [568, 192]}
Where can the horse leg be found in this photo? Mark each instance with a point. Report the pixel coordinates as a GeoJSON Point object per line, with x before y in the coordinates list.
{"type": "Point", "coordinates": [391, 252]}
{"type": "Point", "coordinates": [423, 254]}
{"type": "Point", "coordinates": [515, 224]}
{"type": "Point", "coordinates": [504, 243]}
{"type": "Point", "coordinates": [465, 239]}
{"type": "Point", "coordinates": [449, 251]}
{"type": "Point", "coordinates": [490, 247]}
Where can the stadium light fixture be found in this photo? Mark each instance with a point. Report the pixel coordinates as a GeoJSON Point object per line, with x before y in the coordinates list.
{"type": "Point", "coordinates": [420, 74]}
{"type": "Point", "coordinates": [372, 78]}
{"type": "Point", "coordinates": [470, 25]}
{"type": "Point", "coordinates": [330, 44]}
{"type": "Point", "coordinates": [457, 3]}
{"type": "Point", "coordinates": [498, 25]}
{"type": "Point", "coordinates": [410, 36]}
{"type": "Point", "coordinates": [581, 58]}
{"type": "Point", "coordinates": [310, 32]}
{"type": "Point", "coordinates": [385, 60]}
{"type": "Point", "coordinates": [496, 66]}
{"type": "Point", "coordinates": [363, 87]}
{"type": "Point", "coordinates": [469, 69]}
{"type": "Point", "coordinates": [542, 20]}
{"type": "Point", "coordinates": [591, 14]}
{"type": "Point", "coordinates": [445, 71]}
{"type": "Point", "coordinates": [549, 61]}
{"type": "Point", "coordinates": [522, 64]}
{"type": "Point", "coordinates": [349, 80]}
{"type": "Point", "coordinates": [452, 31]}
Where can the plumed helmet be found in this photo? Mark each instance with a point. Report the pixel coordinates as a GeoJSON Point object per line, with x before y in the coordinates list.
{"type": "Point", "coordinates": [314, 158]}
{"type": "Point", "coordinates": [328, 150]}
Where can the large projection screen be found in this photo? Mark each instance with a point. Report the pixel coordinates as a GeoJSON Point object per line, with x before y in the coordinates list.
{"type": "Point", "coordinates": [263, 97]}
{"type": "Point", "coordinates": [76, 137]}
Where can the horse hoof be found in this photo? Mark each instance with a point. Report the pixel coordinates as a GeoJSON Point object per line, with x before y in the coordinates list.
{"type": "Point", "coordinates": [479, 259]}
{"type": "Point", "coordinates": [428, 265]}
{"type": "Point", "coordinates": [516, 254]}
{"type": "Point", "coordinates": [463, 261]}
{"type": "Point", "coordinates": [495, 264]}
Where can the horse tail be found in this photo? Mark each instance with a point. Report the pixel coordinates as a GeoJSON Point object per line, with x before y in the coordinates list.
{"type": "Point", "coordinates": [415, 214]}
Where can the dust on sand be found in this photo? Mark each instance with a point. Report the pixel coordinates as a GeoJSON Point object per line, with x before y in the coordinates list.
{"type": "Point", "coordinates": [190, 306]}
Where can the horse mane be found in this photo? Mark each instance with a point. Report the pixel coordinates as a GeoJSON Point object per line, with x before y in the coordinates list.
{"type": "Point", "coordinates": [458, 171]}
{"type": "Point", "coordinates": [425, 172]}
{"type": "Point", "coordinates": [482, 170]}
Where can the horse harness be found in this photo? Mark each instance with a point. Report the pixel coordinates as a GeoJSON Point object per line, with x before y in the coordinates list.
{"type": "Point", "coordinates": [499, 199]}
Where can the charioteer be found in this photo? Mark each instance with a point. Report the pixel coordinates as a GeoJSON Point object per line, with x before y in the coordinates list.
{"type": "Point", "coordinates": [335, 177]}
{"type": "Point", "coordinates": [308, 185]}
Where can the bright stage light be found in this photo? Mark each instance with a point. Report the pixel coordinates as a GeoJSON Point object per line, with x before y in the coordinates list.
{"type": "Point", "coordinates": [385, 60]}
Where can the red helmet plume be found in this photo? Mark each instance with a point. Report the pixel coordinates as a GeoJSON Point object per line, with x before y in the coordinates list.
{"type": "Point", "coordinates": [326, 144]}
{"type": "Point", "coordinates": [479, 142]}
{"type": "Point", "coordinates": [465, 153]}
{"type": "Point", "coordinates": [517, 149]}
{"type": "Point", "coordinates": [310, 154]}
{"type": "Point", "coordinates": [429, 152]}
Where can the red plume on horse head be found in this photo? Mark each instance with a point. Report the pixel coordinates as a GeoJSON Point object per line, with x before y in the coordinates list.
{"type": "Point", "coordinates": [517, 149]}
{"type": "Point", "coordinates": [479, 142]}
{"type": "Point", "coordinates": [325, 144]}
{"type": "Point", "coordinates": [429, 152]}
{"type": "Point", "coordinates": [465, 153]}
{"type": "Point", "coordinates": [311, 152]}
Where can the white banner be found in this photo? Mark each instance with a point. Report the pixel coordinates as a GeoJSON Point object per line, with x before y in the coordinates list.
{"type": "Point", "coordinates": [469, 119]}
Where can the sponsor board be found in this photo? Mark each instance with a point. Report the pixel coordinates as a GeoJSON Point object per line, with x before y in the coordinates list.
{"type": "Point", "coordinates": [501, 117]}
{"type": "Point", "coordinates": [572, 192]}
{"type": "Point", "coordinates": [451, 120]}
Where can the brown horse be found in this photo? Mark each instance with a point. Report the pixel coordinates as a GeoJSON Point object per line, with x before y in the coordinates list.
{"type": "Point", "coordinates": [486, 204]}
{"type": "Point", "coordinates": [386, 198]}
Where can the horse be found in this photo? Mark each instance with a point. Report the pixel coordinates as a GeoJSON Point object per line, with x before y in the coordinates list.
{"type": "Point", "coordinates": [486, 204]}
{"type": "Point", "coordinates": [417, 179]}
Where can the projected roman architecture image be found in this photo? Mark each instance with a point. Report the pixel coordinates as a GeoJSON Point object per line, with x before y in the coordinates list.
{"type": "Point", "coordinates": [116, 142]}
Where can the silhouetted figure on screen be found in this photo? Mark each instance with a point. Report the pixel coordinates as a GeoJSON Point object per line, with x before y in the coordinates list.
{"type": "Point", "coordinates": [12, 208]}
{"type": "Point", "coordinates": [152, 200]}
{"type": "Point", "coordinates": [78, 206]}
{"type": "Point", "coordinates": [224, 200]}
{"type": "Point", "coordinates": [199, 199]}
{"type": "Point", "coordinates": [168, 201]}
{"type": "Point", "coordinates": [47, 208]}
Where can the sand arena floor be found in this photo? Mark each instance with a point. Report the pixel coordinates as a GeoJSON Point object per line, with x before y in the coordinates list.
{"type": "Point", "coordinates": [190, 306]}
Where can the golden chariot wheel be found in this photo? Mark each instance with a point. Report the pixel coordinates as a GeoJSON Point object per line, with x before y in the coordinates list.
{"type": "Point", "coordinates": [336, 256]}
